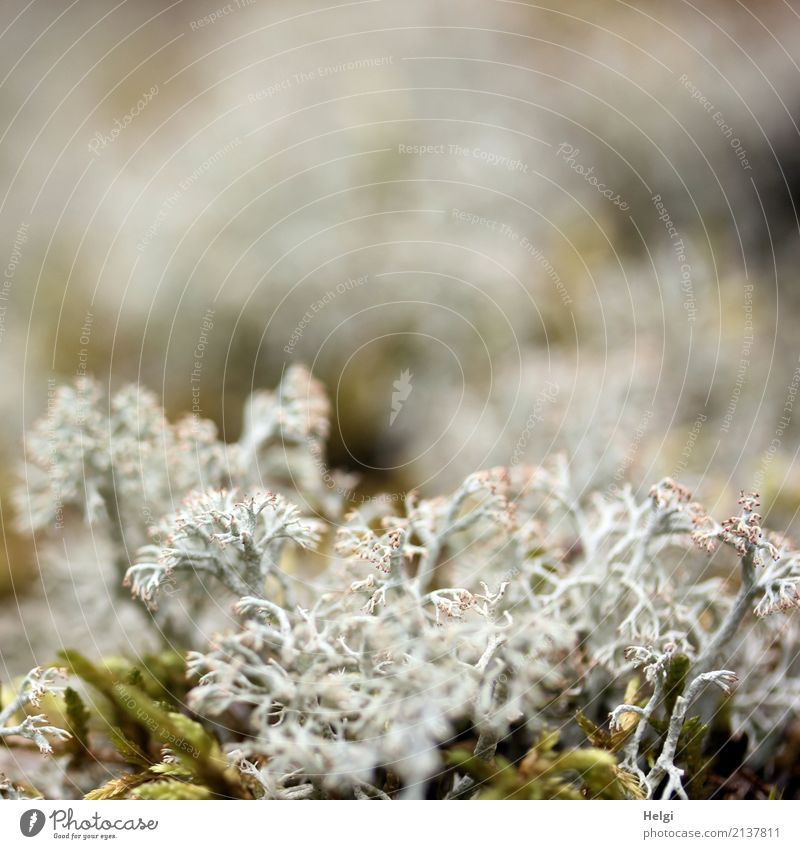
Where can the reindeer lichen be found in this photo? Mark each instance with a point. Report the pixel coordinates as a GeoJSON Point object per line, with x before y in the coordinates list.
{"type": "Point", "coordinates": [408, 648]}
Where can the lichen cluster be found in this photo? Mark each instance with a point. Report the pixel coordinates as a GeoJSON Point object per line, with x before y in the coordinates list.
{"type": "Point", "coordinates": [511, 640]}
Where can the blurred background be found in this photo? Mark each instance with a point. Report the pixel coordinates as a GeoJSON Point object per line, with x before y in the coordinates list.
{"type": "Point", "coordinates": [495, 230]}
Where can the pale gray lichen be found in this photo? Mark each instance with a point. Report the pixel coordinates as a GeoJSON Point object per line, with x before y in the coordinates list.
{"type": "Point", "coordinates": [236, 540]}
{"type": "Point", "coordinates": [35, 685]}
{"type": "Point", "coordinates": [499, 607]}
{"type": "Point", "coordinates": [11, 792]}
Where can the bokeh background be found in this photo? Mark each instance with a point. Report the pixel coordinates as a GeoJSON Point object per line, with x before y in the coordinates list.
{"type": "Point", "coordinates": [573, 225]}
